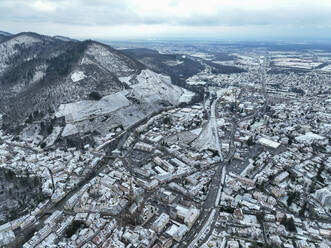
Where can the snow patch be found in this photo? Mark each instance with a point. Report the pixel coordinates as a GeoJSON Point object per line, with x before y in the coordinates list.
{"type": "Point", "coordinates": [186, 97]}
{"type": "Point", "coordinates": [50, 140]}
{"type": "Point", "coordinates": [152, 87]}
{"type": "Point", "coordinates": [196, 131]}
{"type": "Point", "coordinates": [38, 76]}
{"type": "Point", "coordinates": [125, 80]}
{"type": "Point", "coordinates": [69, 129]}
{"type": "Point", "coordinates": [77, 76]}
{"type": "Point", "coordinates": [173, 62]}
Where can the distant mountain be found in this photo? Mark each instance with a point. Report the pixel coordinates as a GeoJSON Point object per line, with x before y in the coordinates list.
{"type": "Point", "coordinates": [179, 66]}
{"type": "Point", "coordinates": [63, 38]}
{"type": "Point", "coordinates": [4, 35]}
{"type": "Point", "coordinates": [43, 77]}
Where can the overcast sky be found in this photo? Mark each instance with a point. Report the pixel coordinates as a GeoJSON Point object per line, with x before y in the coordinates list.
{"type": "Point", "coordinates": [149, 19]}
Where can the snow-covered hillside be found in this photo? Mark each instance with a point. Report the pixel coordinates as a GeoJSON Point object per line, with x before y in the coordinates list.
{"type": "Point", "coordinates": [109, 59]}
{"type": "Point", "coordinates": [153, 87]}
{"type": "Point", "coordinates": [9, 48]}
{"type": "Point", "coordinates": [151, 91]}
{"type": "Point", "coordinates": [89, 85]}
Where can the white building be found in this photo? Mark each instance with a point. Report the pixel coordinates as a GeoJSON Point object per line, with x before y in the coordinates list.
{"type": "Point", "coordinates": [268, 143]}
{"type": "Point", "coordinates": [177, 232]}
{"type": "Point", "coordinates": [143, 147]}
{"type": "Point", "coordinates": [310, 138]}
{"type": "Point", "coordinates": [189, 215]}
{"type": "Point", "coordinates": [160, 223]}
{"type": "Point", "coordinates": [6, 238]}
{"type": "Point", "coordinates": [324, 196]}
{"type": "Point", "coordinates": [281, 177]}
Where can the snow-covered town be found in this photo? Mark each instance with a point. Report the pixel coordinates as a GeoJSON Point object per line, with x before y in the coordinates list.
{"type": "Point", "coordinates": [246, 165]}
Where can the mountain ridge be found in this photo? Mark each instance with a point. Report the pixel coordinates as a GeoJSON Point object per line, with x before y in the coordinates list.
{"type": "Point", "coordinates": [19, 75]}
{"type": "Point", "coordinates": [97, 87]}
{"type": "Point", "coordinates": [4, 35]}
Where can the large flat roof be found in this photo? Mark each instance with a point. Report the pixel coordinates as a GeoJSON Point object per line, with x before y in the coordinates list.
{"type": "Point", "coordinates": [268, 142]}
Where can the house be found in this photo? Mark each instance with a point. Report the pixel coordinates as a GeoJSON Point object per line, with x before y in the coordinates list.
{"type": "Point", "coordinates": [160, 223]}
{"type": "Point", "coordinates": [238, 214]}
{"type": "Point", "coordinates": [232, 244]}
{"type": "Point", "coordinates": [275, 240]}
{"type": "Point", "coordinates": [281, 177]}
{"type": "Point", "coordinates": [177, 231]}
{"type": "Point", "coordinates": [268, 143]}
{"type": "Point", "coordinates": [166, 196]}
{"type": "Point", "coordinates": [277, 192]}
{"type": "Point", "coordinates": [194, 156]}
{"type": "Point", "coordinates": [6, 238]}
{"type": "Point", "coordinates": [324, 196]}
{"type": "Point", "coordinates": [325, 233]}
{"type": "Point", "coordinates": [151, 185]}
{"type": "Point", "coordinates": [163, 242]}
{"type": "Point", "coordinates": [302, 244]}
{"type": "Point", "coordinates": [310, 137]}
{"type": "Point", "coordinates": [143, 147]}
{"type": "Point", "coordinates": [131, 236]}
{"type": "Point", "coordinates": [188, 215]}
{"type": "Point", "coordinates": [280, 216]}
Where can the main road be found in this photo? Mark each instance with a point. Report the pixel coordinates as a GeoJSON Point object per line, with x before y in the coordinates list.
{"type": "Point", "coordinates": [210, 211]}
{"type": "Point", "coordinates": [208, 218]}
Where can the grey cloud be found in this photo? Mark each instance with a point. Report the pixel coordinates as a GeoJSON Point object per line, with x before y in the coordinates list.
{"type": "Point", "coordinates": [121, 12]}
{"type": "Point", "coordinates": [103, 12]}
{"type": "Point", "coordinates": [77, 12]}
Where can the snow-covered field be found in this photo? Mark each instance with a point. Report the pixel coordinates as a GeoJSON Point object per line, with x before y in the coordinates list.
{"type": "Point", "coordinates": [205, 56]}
{"type": "Point", "coordinates": [231, 62]}
{"type": "Point", "coordinates": [246, 60]}
{"type": "Point", "coordinates": [173, 62]}
{"type": "Point", "coordinates": [78, 111]}
{"type": "Point", "coordinates": [295, 63]}
{"type": "Point", "coordinates": [327, 68]}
